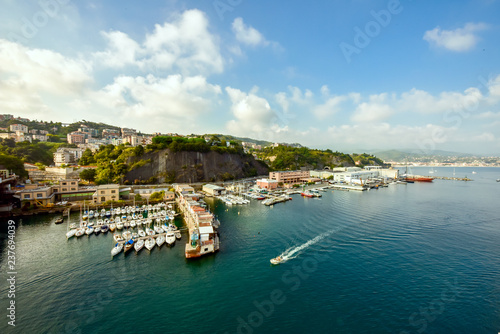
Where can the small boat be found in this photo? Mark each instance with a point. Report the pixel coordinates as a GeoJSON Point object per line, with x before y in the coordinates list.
{"type": "Point", "coordinates": [59, 220]}
{"type": "Point", "coordinates": [178, 234]}
{"type": "Point", "coordinates": [141, 233]}
{"type": "Point", "coordinates": [79, 232]}
{"type": "Point", "coordinates": [150, 231]}
{"type": "Point", "coordinates": [89, 230]}
{"type": "Point", "coordinates": [498, 180]}
{"type": "Point", "coordinates": [135, 235]}
{"type": "Point", "coordinates": [126, 224]}
{"type": "Point", "coordinates": [105, 229]}
{"type": "Point", "coordinates": [138, 245]}
{"type": "Point", "coordinates": [118, 237]}
{"type": "Point", "coordinates": [97, 230]}
{"type": "Point", "coordinates": [73, 225]}
{"type": "Point", "coordinates": [133, 224]}
{"type": "Point", "coordinates": [160, 240]}
{"type": "Point", "coordinates": [170, 238]}
{"type": "Point", "coordinates": [129, 245]}
{"type": "Point", "coordinates": [276, 260]}
{"type": "Point", "coordinates": [117, 249]}
{"type": "Point", "coordinates": [126, 235]}
{"type": "Point", "coordinates": [119, 226]}
{"type": "Point", "coordinates": [172, 227]}
{"type": "Point", "coordinates": [149, 244]}
{"type": "Point", "coordinates": [70, 233]}
{"type": "Point", "coordinates": [474, 172]}
{"type": "Point", "coordinates": [307, 194]}
{"type": "Point", "coordinates": [112, 227]}
{"type": "Point", "coordinates": [158, 229]}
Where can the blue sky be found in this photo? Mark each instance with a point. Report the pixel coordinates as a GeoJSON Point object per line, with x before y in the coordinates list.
{"type": "Point", "coordinates": [346, 75]}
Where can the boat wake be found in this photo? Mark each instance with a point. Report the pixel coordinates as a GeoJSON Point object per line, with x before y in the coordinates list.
{"type": "Point", "coordinates": [293, 252]}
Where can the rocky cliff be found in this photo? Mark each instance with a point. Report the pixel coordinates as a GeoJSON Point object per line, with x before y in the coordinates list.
{"type": "Point", "coordinates": [189, 166]}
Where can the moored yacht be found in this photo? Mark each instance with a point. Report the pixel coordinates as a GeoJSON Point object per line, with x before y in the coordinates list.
{"type": "Point", "coordinates": [117, 249]}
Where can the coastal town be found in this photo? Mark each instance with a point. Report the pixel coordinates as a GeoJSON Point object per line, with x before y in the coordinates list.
{"type": "Point", "coordinates": [141, 214]}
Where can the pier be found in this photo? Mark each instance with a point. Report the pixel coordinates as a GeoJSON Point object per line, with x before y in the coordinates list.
{"type": "Point", "coordinates": [452, 178]}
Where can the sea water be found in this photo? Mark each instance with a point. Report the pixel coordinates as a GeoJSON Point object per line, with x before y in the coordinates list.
{"type": "Point", "coordinates": [415, 258]}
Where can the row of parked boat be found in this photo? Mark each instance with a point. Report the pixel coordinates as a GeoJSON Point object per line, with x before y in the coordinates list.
{"type": "Point", "coordinates": [148, 238]}
{"type": "Point", "coordinates": [234, 200]}
{"type": "Point", "coordinates": [126, 211]}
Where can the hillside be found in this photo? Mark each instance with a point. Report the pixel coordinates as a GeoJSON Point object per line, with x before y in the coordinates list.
{"type": "Point", "coordinates": [190, 166]}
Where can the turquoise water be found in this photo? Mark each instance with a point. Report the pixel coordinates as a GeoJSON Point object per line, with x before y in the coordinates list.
{"type": "Point", "coordinates": [404, 259]}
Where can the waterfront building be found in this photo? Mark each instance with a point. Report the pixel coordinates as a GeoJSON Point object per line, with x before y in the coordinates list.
{"type": "Point", "coordinates": [147, 192]}
{"type": "Point", "coordinates": [213, 190]}
{"type": "Point", "coordinates": [289, 177]}
{"type": "Point", "coordinates": [40, 196]}
{"type": "Point", "coordinates": [107, 192]}
{"type": "Point", "coordinates": [267, 184]}
{"type": "Point", "coordinates": [183, 188]}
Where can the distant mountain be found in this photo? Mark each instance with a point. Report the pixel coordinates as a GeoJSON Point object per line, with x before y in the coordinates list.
{"type": "Point", "coordinates": [411, 155]}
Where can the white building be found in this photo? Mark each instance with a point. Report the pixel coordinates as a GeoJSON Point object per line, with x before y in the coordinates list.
{"type": "Point", "coordinates": [19, 127]}
{"type": "Point", "coordinates": [66, 156]}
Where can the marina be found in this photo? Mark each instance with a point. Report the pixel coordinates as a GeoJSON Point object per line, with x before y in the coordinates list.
{"type": "Point", "coordinates": [367, 230]}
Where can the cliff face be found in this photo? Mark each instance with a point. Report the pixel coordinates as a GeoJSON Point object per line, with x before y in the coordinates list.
{"type": "Point", "coordinates": [187, 166]}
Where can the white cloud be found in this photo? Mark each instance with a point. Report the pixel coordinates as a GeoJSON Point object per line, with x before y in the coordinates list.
{"type": "Point", "coordinates": [175, 102]}
{"type": "Point", "coordinates": [39, 70]}
{"type": "Point", "coordinates": [375, 110]}
{"type": "Point", "coordinates": [458, 40]}
{"type": "Point", "coordinates": [247, 34]}
{"type": "Point", "coordinates": [122, 50]}
{"type": "Point", "coordinates": [184, 44]}
{"type": "Point", "coordinates": [253, 115]}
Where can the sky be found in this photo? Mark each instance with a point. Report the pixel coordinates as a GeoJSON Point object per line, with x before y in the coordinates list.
{"type": "Point", "coordinates": [345, 75]}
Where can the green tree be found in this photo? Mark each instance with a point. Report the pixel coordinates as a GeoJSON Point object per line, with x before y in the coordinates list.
{"type": "Point", "coordinates": [14, 164]}
{"type": "Point", "coordinates": [88, 174]}
{"type": "Point", "coordinates": [138, 197]}
{"type": "Point", "coordinates": [157, 196]}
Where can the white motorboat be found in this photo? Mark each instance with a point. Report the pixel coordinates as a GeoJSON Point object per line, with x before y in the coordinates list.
{"type": "Point", "coordinates": [138, 245]}
{"type": "Point", "coordinates": [141, 233]}
{"type": "Point", "coordinates": [277, 260]}
{"type": "Point", "coordinates": [126, 235]}
{"type": "Point", "coordinates": [150, 243]}
{"type": "Point", "coordinates": [89, 230]}
{"type": "Point", "coordinates": [177, 234]}
{"type": "Point", "coordinates": [150, 231]}
{"type": "Point", "coordinates": [119, 226]}
{"type": "Point", "coordinates": [97, 230]}
{"type": "Point", "coordinates": [79, 232]}
{"type": "Point", "coordinates": [160, 240]}
{"type": "Point", "coordinates": [70, 233]}
{"type": "Point", "coordinates": [118, 237]}
{"type": "Point", "coordinates": [117, 249]}
{"type": "Point", "coordinates": [73, 226]}
{"type": "Point", "coordinates": [170, 238]}
{"type": "Point", "coordinates": [158, 229]}
{"type": "Point", "coordinates": [133, 224]}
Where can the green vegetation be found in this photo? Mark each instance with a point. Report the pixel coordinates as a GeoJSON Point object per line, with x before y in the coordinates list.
{"type": "Point", "coordinates": [197, 144]}
{"type": "Point", "coordinates": [367, 160]}
{"type": "Point", "coordinates": [88, 174]}
{"type": "Point", "coordinates": [14, 164]}
{"type": "Point", "coordinates": [157, 196]}
{"type": "Point", "coordinates": [36, 152]}
{"type": "Point", "coordinates": [286, 157]}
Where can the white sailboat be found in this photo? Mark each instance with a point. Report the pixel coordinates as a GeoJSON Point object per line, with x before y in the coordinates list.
{"type": "Point", "coordinates": [138, 245]}
{"type": "Point", "coordinates": [149, 244]}
{"type": "Point", "coordinates": [117, 249]}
